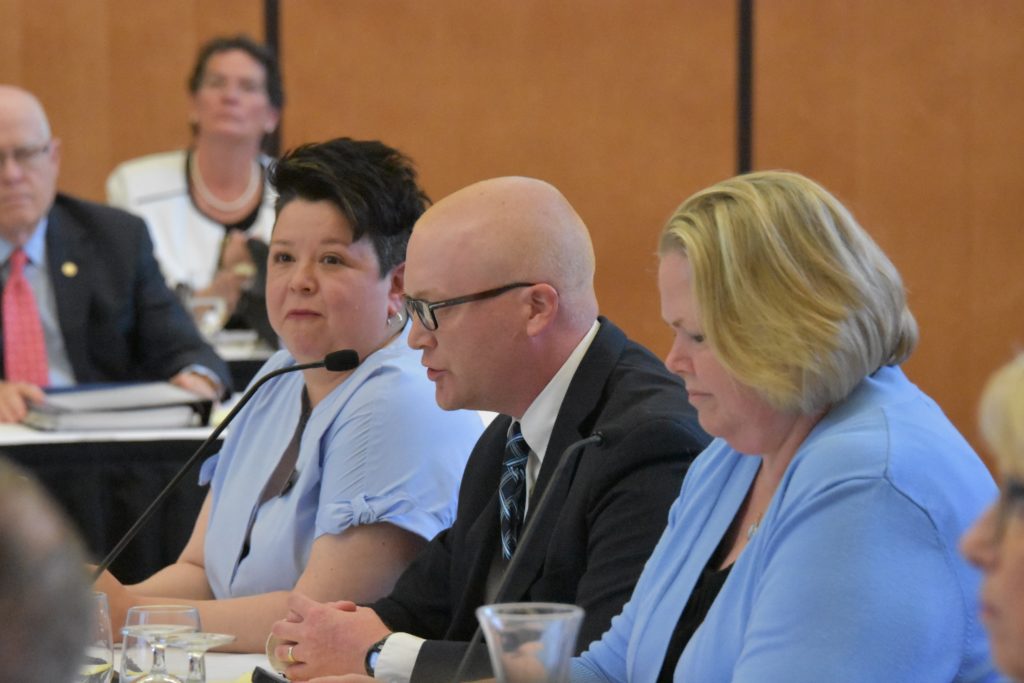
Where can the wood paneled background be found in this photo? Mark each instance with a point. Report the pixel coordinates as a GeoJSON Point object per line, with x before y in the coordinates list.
{"type": "Point", "coordinates": [112, 73]}
{"type": "Point", "coordinates": [624, 106]}
{"type": "Point", "coordinates": [909, 111]}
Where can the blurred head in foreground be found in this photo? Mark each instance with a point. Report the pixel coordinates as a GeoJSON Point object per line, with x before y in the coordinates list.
{"type": "Point", "coordinates": [45, 596]}
{"type": "Point", "coordinates": [995, 544]}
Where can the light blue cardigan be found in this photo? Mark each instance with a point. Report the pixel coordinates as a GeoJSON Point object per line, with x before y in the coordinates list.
{"type": "Point", "coordinates": [853, 575]}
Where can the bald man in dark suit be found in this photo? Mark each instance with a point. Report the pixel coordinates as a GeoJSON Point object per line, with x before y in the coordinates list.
{"type": "Point", "coordinates": [499, 283]}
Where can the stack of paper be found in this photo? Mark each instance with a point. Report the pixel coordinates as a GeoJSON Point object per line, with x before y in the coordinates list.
{"type": "Point", "coordinates": [151, 405]}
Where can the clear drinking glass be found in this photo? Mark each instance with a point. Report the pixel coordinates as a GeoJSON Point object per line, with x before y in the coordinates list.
{"type": "Point", "coordinates": [144, 656]}
{"type": "Point", "coordinates": [276, 664]}
{"type": "Point", "coordinates": [530, 642]}
{"type": "Point", "coordinates": [98, 663]}
{"type": "Point", "coordinates": [195, 646]}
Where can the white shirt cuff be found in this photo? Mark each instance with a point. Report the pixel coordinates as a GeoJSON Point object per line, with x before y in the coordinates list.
{"type": "Point", "coordinates": [397, 658]}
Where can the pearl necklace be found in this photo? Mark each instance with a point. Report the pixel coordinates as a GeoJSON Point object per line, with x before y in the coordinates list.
{"type": "Point", "coordinates": [230, 206]}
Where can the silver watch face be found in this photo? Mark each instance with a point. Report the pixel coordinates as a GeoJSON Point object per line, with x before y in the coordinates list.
{"type": "Point", "coordinates": [372, 656]}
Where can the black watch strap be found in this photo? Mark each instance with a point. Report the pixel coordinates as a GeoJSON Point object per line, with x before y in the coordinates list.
{"type": "Point", "coordinates": [373, 654]}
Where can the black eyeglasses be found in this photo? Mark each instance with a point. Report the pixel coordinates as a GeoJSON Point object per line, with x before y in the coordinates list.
{"type": "Point", "coordinates": [424, 310]}
{"type": "Point", "coordinates": [1011, 500]}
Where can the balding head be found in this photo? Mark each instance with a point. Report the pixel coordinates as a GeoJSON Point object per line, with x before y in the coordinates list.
{"type": "Point", "coordinates": [515, 229]}
{"type": "Point", "coordinates": [31, 160]}
{"type": "Point", "coordinates": [498, 353]}
{"type": "Point", "coordinates": [18, 102]}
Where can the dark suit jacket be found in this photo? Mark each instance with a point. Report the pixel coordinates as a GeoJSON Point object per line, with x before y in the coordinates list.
{"type": "Point", "coordinates": [600, 526]}
{"type": "Point", "coordinates": [119, 320]}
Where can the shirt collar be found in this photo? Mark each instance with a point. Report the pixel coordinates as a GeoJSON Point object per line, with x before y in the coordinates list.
{"type": "Point", "coordinates": [538, 421]}
{"type": "Point", "coordinates": [35, 248]}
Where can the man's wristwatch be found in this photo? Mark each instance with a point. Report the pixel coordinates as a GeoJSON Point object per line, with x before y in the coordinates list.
{"type": "Point", "coordinates": [373, 654]}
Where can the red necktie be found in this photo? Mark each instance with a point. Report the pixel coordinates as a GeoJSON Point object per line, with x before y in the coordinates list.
{"type": "Point", "coordinates": [24, 344]}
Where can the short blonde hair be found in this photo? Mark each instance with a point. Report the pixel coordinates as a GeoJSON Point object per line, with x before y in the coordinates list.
{"type": "Point", "coordinates": [796, 300]}
{"type": "Point", "coordinates": [1001, 417]}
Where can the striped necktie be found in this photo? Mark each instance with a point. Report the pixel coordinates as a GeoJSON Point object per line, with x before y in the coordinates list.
{"type": "Point", "coordinates": [512, 489]}
{"type": "Point", "coordinates": [24, 344]}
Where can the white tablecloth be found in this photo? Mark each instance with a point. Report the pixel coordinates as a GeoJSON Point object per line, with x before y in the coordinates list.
{"type": "Point", "coordinates": [222, 667]}
{"type": "Point", "coordinates": [17, 435]}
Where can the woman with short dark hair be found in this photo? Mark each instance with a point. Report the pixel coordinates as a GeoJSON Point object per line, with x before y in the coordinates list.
{"type": "Point", "coordinates": [328, 483]}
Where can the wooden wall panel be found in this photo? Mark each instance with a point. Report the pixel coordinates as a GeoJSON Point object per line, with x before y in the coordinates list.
{"type": "Point", "coordinates": [911, 113]}
{"type": "Point", "coordinates": [111, 73]}
{"type": "Point", "coordinates": [626, 107]}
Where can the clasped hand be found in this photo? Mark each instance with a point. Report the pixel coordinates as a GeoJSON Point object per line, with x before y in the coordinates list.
{"type": "Point", "coordinates": [325, 639]}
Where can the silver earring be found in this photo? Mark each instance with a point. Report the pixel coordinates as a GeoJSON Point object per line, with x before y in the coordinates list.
{"type": "Point", "coordinates": [396, 321]}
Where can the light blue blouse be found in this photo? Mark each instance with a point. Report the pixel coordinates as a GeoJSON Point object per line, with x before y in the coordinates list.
{"type": "Point", "coordinates": [376, 449]}
{"type": "Point", "coordinates": [853, 574]}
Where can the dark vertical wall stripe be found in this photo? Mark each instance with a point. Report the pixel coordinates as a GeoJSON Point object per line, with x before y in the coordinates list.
{"type": "Point", "coordinates": [272, 37]}
{"type": "Point", "coordinates": [745, 87]}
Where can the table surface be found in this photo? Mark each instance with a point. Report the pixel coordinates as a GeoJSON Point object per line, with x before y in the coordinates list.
{"type": "Point", "coordinates": [20, 435]}
{"type": "Point", "coordinates": [223, 667]}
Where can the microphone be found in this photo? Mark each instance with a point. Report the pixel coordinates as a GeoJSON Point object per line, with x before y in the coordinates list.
{"type": "Point", "coordinates": [597, 438]}
{"type": "Point", "coordinates": [336, 361]}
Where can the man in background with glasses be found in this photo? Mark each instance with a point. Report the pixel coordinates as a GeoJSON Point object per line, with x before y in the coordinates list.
{"type": "Point", "coordinates": [83, 298]}
{"type": "Point", "coordinates": [499, 283]}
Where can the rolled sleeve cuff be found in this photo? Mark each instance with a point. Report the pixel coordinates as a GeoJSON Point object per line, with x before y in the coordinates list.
{"type": "Point", "coordinates": [396, 509]}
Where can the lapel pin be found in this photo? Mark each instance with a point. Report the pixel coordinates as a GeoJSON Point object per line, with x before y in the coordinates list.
{"type": "Point", "coordinates": [69, 269]}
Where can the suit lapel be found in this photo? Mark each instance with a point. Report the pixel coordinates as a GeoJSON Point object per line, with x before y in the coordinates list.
{"type": "Point", "coordinates": [484, 536]}
{"type": "Point", "coordinates": [65, 256]}
{"type": "Point", "coordinates": [575, 421]}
